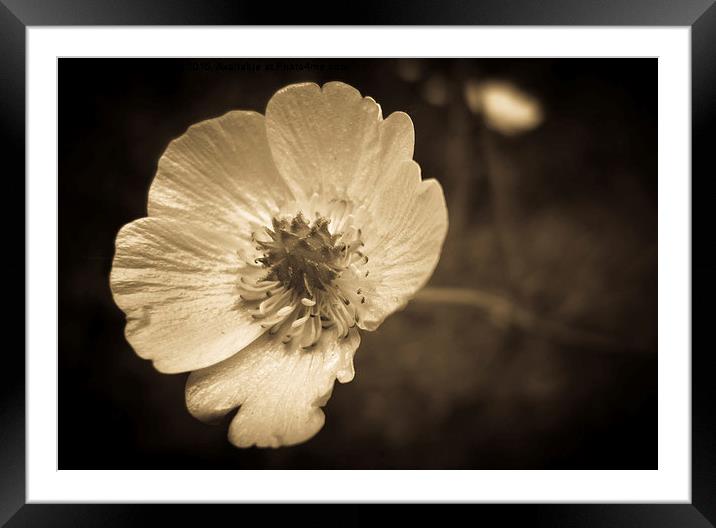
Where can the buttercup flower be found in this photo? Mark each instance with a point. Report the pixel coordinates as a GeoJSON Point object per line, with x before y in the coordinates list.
{"type": "Point", "coordinates": [269, 242]}
{"type": "Point", "coordinates": [506, 108]}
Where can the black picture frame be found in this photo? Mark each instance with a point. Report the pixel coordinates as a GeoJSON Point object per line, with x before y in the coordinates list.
{"type": "Point", "coordinates": [699, 15]}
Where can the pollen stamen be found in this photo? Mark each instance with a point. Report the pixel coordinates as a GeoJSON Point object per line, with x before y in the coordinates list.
{"type": "Point", "coordinates": [304, 280]}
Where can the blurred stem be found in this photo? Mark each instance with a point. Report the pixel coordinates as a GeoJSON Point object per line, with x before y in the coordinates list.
{"type": "Point", "coordinates": [499, 182]}
{"type": "Point", "coordinates": [504, 313]}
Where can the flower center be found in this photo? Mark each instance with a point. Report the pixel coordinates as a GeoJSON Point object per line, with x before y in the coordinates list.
{"type": "Point", "coordinates": [302, 256]}
{"type": "Point", "coordinates": [305, 279]}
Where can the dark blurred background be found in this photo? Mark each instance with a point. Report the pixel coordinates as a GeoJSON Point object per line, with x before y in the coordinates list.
{"type": "Point", "coordinates": [552, 363]}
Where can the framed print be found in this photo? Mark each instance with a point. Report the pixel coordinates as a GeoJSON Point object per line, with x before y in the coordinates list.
{"type": "Point", "coordinates": [442, 262]}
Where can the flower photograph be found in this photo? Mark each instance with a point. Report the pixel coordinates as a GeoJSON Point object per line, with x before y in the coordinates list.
{"type": "Point", "coordinates": [357, 263]}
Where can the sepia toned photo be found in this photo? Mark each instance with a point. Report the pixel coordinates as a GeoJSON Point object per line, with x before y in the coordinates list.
{"type": "Point", "coordinates": [357, 263]}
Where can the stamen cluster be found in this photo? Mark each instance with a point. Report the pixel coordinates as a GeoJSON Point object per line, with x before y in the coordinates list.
{"type": "Point", "coordinates": [302, 282]}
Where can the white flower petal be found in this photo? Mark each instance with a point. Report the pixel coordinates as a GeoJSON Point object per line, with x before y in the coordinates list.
{"type": "Point", "coordinates": [323, 139]}
{"type": "Point", "coordinates": [397, 140]}
{"type": "Point", "coordinates": [176, 282]}
{"type": "Point", "coordinates": [220, 173]}
{"type": "Point", "coordinates": [404, 241]}
{"type": "Point", "coordinates": [280, 390]}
